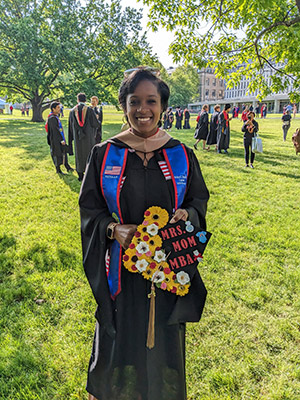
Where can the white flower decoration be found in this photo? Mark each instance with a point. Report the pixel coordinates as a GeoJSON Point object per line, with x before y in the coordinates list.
{"type": "Point", "coordinates": [158, 277]}
{"type": "Point", "coordinates": [183, 278]}
{"type": "Point", "coordinates": [141, 265]}
{"type": "Point", "coordinates": [159, 256]}
{"type": "Point", "coordinates": [142, 248]}
{"type": "Point", "coordinates": [152, 229]}
{"type": "Point", "coordinates": [196, 253]}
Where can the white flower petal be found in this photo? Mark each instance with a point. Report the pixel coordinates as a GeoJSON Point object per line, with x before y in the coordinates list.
{"type": "Point", "coordinates": [142, 248]}
{"type": "Point", "coordinates": [141, 265]}
{"type": "Point", "coordinates": [159, 256]}
{"type": "Point", "coordinates": [159, 277]}
{"type": "Point", "coordinates": [182, 277]}
{"type": "Point", "coordinates": [152, 229]}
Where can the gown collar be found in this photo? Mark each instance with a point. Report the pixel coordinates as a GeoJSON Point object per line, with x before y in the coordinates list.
{"type": "Point", "coordinates": [143, 145]}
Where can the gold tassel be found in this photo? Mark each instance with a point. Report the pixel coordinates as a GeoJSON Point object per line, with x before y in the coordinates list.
{"type": "Point", "coordinates": [151, 324]}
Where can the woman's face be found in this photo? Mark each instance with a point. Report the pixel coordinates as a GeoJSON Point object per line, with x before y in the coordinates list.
{"type": "Point", "coordinates": [143, 109]}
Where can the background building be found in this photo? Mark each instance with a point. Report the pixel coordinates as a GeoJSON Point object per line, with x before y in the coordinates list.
{"type": "Point", "coordinates": [211, 88]}
{"type": "Point", "coordinates": [210, 85]}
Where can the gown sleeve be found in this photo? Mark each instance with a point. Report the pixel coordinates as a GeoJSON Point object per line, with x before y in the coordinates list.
{"type": "Point", "coordinates": [70, 135]}
{"type": "Point", "coordinates": [95, 217]}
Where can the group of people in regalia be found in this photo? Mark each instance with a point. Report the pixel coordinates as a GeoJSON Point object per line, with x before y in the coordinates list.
{"type": "Point", "coordinates": [216, 133]}
{"type": "Point", "coordinates": [84, 131]}
{"type": "Point", "coordinates": [180, 116]}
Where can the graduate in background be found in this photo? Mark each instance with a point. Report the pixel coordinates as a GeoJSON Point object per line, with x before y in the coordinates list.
{"type": "Point", "coordinates": [179, 117]}
{"type": "Point", "coordinates": [213, 131]}
{"type": "Point", "coordinates": [99, 114]}
{"type": "Point", "coordinates": [187, 115]}
{"type": "Point", "coordinates": [223, 138]}
{"type": "Point", "coordinates": [56, 138]}
{"type": "Point", "coordinates": [82, 125]}
{"type": "Point", "coordinates": [201, 131]}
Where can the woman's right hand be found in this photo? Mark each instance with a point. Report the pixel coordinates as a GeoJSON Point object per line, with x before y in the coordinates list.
{"type": "Point", "coordinates": [124, 234]}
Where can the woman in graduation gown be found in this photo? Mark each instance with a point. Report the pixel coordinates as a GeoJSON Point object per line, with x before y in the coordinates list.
{"type": "Point", "coordinates": [187, 115]}
{"type": "Point", "coordinates": [223, 139]}
{"type": "Point", "coordinates": [213, 131]}
{"type": "Point", "coordinates": [201, 131]}
{"type": "Point", "coordinates": [121, 366]}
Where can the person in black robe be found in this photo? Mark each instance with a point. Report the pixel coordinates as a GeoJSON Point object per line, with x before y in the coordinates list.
{"type": "Point", "coordinates": [99, 114]}
{"type": "Point", "coordinates": [82, 125]}
{"type": "Point", "coordinates": [166, 120]}
{"type": "Point", "coordinates": [121, 366]}
{"type": "Point", "coordinates": [212, 135]}
{"type": "Point", "coordinates": [187, 115]}
{"type": "Point", "coordinates": [171, 118]}
{"type": "Point", "coordinates": [223, 138]}
{"type": "Point", "coordinates": [201, 131]}
{"type": "Point", "coordinates": [250, 127]}
{"type": "Point", "coordinates": [56, 139]}
{"type": "Point", "coordinates": [179, 117]}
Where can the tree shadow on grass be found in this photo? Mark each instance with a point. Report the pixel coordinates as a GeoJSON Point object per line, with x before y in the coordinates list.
{"type": "Point", "coordinates": [293, 176]}
{"type": "Point", "coordinates": [72, 181]}
{"type": "Point", "coordinates": [44, 260]}
{"type": "Point", "coordinates": [28, 136]}
{"type": "Point", "coordinates": [7, 251]}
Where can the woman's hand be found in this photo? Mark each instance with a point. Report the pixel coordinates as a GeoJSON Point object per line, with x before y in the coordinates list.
{"type": "Point", "coordinates": [180, 213]}
{"type": "Point", "coordinates": [124, 234]}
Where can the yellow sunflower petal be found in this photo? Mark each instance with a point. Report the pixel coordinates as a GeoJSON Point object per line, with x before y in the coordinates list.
{"type": "Point", "coordinates": [157, 215]}
{"type": "Point", "coordinates": [182, 290]}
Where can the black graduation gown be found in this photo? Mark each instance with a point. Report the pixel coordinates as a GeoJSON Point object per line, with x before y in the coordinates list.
{"type": "Point", "coordinates": [171, 119]}
{"type": "Point", "coordinates": [212, 136]}
{"type": "Point", "coordinates": [223, 138]}
{"type": "Point", "coordinates": [186, 120]}
{"type": "Point", "coordinates": [202, 126]}
{"type": "Point", "coordinates": [120, 361]}
{"type": "Point", "coordinates": [98, 131]}
{"type": "Point", "coordinates": [83, 137]}
{"type": "Point", "coordinates": [178, 116]}
{"type": "Point", "coordinates": [54, 139]}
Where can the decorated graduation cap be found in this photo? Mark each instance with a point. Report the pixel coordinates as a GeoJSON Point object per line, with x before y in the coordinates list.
{"type": "Point", "coordinates": [165, 254]}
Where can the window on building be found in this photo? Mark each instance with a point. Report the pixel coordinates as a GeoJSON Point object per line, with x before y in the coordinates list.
{"type": "Point", "coordinates": [213, 93]}
{"type": "Point", "coordinates": [220, 93]}
{"type": "Point", "coordinates": [206, 93]}
{"type": "Point", "coordinates": [207, 81]}
{"type": "Point", "coordinates": [214, 81]}
{"type": "Point", "coordinates": [220, 82]}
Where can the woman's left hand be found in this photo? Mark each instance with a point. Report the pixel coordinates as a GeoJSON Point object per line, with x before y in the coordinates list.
{"type": "Point", "coordinates": [180, 213]}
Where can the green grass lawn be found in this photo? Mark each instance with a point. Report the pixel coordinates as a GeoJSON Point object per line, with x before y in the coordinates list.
{"type": "Point", "coordinates": [247, 343]}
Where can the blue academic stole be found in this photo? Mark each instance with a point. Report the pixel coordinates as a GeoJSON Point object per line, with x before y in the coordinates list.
{"type": "Point", "coordinates": [111, 181]}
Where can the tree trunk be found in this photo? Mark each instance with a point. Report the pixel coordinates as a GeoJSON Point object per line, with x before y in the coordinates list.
{"type": "Point", "coordinates": [37, 109]}
{"type": "Point", "coordinates": [37, 112]}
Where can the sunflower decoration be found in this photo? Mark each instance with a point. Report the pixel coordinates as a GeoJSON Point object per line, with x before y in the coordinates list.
{"type": "Point", "coordinates": [129, 259]}
{"type": "Point", "coordinates": [150, 271]}
{"type": "Point", "coordinates": [156, 215]}
{"type": "Point", "coordinates": [182, 290]}
{"type": "Point", "coordinates": [155, 243]}
{"type": "Point", "coordinates": [146, 256]}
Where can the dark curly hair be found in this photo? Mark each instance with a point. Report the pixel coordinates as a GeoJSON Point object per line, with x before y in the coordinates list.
{"type": "Point", "coordinates": [130, 83]}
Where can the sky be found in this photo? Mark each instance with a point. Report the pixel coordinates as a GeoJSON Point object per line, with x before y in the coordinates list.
{"type": "Point", "coordinates": [160, 40]}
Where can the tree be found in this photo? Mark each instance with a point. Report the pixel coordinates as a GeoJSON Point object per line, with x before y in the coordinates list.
{"type": "Point", "coordinates": [237, 38]}
{"type": "Point", "coordinates": [184, 86]}
{"type": "Point", "coordinates": [53, 49]}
